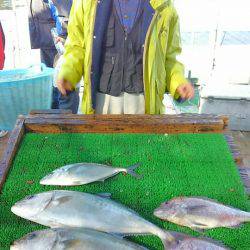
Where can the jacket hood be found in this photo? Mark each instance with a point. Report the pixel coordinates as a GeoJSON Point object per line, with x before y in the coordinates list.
{"type": "Point", "coordinates": [156, 4]}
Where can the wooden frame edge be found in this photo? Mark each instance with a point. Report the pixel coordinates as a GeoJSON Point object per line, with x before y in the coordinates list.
{"type": "Point", "coordinates": [159, 124]}
{"type": "Point", "coordinates": [243, 170]}
{"type": "Point", "coordinates": [58, 122]}
{"type": "Point", "coordinates": [12, 147]}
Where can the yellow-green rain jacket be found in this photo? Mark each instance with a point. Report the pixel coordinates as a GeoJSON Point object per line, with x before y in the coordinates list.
{"type": "Point", "coordinates": [162, 72]}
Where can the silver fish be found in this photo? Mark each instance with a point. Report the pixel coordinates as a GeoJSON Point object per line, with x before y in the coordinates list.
{"type": "Point", "coordinates": [82, 210]}
{"type": "Point", "coordinates": [84, 173]}
{"type": "Point", "coordinates": [185, 242]}
{"type": "Point", "coordinates": [200, 213]}
{"type": "Point", "coordinates": [73, 239]}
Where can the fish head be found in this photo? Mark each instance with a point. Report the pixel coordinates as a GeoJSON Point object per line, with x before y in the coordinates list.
{"type": "Point", "coordinates": [171, 209]}
{"type": "Point", "coordinates": [51, 178]}
{"type": "Point", "coordinates": [32, 205]}
{"type": "Point", "coordinates": [44, 239]}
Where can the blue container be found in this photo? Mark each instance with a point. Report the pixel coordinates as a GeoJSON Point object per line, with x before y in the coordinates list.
{"type": "Point", "coordinates": [22, 90]}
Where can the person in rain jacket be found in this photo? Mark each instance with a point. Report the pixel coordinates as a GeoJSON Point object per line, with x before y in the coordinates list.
{"type": "Point", "coordinates": [2, 59]}
{"type": "Point", "coordinates": [126, 52]}
{"type": "Point", "coordinates": [2, 45]}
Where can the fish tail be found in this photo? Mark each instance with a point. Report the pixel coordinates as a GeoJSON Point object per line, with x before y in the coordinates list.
{"type": "Point", "coordinates": [167, 239]}
{"type": "Point", "coordinates": [131, 171]}
{"type": "Point", "coordinates": [246, 217]}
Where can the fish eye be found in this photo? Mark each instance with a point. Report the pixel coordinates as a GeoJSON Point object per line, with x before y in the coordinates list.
{"type": "Point", "coordinates": [31, 236]}
{"type": "Point", "coordinates": [30, 197]}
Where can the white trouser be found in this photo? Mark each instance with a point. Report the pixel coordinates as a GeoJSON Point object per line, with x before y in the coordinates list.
{"type": "Point", "coordinates": [123, 104]}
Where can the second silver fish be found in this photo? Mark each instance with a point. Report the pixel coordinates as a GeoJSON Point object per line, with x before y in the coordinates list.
{"type": "Point", "coordinates": [84, 173]}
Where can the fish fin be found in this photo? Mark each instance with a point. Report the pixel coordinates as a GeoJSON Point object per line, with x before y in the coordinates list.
{"type": "Point", "coordinates": [63, 199]}
{"type": "Point", "coordinates": [121, 236]}
{"type": "Point", "coordinates": [105, 195]}
{"type": "Point", "coordinates": [76, 183]}
{"type": "Point", "coordinates": [209, 199]}
{"type": "Point", "coordinates": [131, 171]}
{"type": "Point", "coordinates": [222, 204]}
{"type": "Point", "coordinates": [54, 225]}
{"type": "Point", "coordinates": [102, 180]}
{"type": "Point", "coordinates": [133, 234]}
{"type": "Point", "coordinates": [198, 225]}
{"type": "Point", "coordinates": [213, 200]}
{"type": "Point", "coordinates": [57, 201]}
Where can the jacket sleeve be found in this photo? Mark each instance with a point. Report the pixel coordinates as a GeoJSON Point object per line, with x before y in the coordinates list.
{"type": "Point", "coordinates": [73, 59]}
{"type": "Point", "coordinates": [174, 69]}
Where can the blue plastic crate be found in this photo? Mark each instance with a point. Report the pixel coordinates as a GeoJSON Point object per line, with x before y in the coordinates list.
{"type": "Point", "coordinates": [22, 90]}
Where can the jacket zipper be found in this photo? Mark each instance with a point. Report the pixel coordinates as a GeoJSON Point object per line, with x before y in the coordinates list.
{"type": "Point", "coordinates": [91, 59]}
{"type": "Point", "coordinates": [124, 50]}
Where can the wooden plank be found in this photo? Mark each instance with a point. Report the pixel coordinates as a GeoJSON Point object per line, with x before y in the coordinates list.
{"type": "Point", "coordinates": [245, 176]}
{"type": "Point", "coordinates": [171, 119]}
{"type": "Point", "coordinates": [234, 149]}
{"type": "Point", "coordinates": [3, 143]}
{"type": "Point", "coordinates": [66, 126]}
{"type": "Point", "coordinates": [242, 139]}
{"type": "Point", "coordinates": [125, 124]}
{"type": "Point", "coordinates": [186, 117]}
{"type": "Point", "coordinates": [243, 170]}
{"type": "Point", "coordinates": [12, 147]}
{"type": "Point", "coordinates": [50, 111]}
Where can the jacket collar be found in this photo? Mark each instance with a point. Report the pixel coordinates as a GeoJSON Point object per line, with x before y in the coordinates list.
{"type": "Point", "coordinates": [158, 4]}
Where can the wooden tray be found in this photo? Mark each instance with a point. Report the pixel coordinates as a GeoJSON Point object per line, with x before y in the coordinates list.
{"type": "Point", "coordinates": [55, 121]}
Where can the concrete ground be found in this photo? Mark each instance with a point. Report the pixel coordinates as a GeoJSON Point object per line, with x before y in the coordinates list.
{"type": "Point", "coordinates": [242, 139]}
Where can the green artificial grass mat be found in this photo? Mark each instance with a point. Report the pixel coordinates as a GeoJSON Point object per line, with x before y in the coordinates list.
{"type": "Point", "coordinates": [172, 165]}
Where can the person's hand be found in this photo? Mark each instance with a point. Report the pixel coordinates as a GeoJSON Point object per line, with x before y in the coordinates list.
{"type": "Point", "coordinates": [59, 39]}
{"type": "Point", "coordinates": [186, 91]}
{"type": "Point", "coordinates": [64, 86]}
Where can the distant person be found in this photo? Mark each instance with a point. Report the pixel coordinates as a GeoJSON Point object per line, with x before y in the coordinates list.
{"type": "Point", "coordinates": [41, 21]}
{"type": "Point", "coordinates": [2, 59]}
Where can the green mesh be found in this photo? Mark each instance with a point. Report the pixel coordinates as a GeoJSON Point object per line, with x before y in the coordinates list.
{"type": "Point", "coordinates": [172, 165]}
